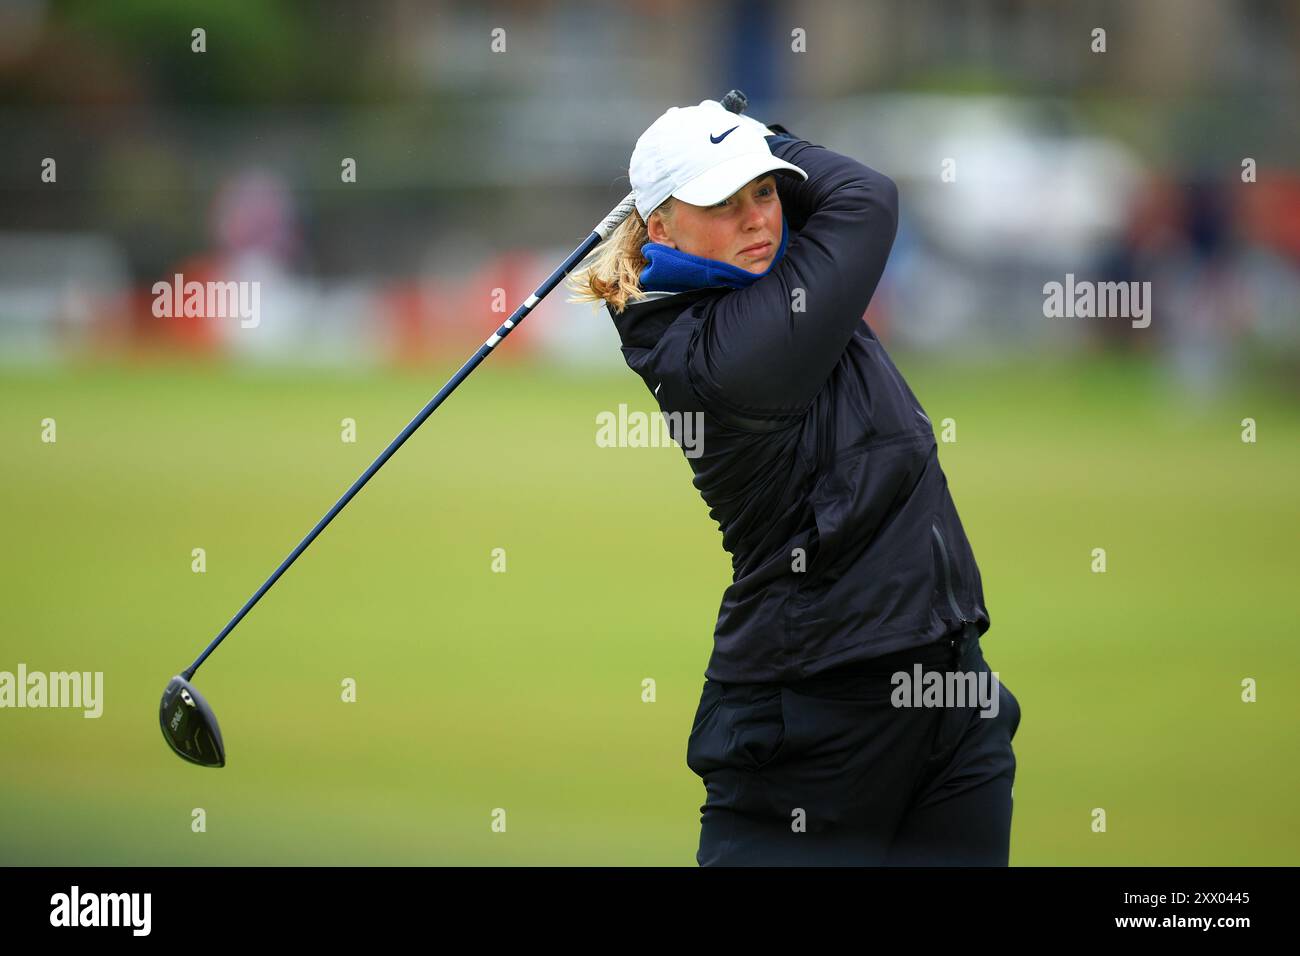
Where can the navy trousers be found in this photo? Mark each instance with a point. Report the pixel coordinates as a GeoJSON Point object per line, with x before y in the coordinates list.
{"type": "Point", "coordinates": [833, 771]}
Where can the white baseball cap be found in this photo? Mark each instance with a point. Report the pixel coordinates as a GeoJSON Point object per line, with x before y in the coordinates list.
{"type": "Point", "coordinates": [700, 155]}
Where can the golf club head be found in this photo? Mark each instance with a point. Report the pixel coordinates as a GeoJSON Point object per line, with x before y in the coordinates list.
{"type": "Point", "coordinates": [189, 726]}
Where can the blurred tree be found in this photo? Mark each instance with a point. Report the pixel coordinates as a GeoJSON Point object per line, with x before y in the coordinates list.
{"type": "Point", "coordinates": [254, 50]}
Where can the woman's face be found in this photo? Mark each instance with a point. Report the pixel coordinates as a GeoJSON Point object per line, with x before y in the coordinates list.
{"type": "Point", "coordinates": [750, 217]}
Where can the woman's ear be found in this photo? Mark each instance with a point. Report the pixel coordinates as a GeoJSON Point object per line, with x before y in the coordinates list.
{"type": "Point", "coordinates": [657, 232]}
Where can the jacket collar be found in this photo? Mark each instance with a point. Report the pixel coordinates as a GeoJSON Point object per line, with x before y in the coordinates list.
{"type": "Point", "coordinates": [644, 321]}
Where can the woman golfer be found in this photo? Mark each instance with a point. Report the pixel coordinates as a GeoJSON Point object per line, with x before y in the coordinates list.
{"type": "Point", "coordinates": [848, 715]}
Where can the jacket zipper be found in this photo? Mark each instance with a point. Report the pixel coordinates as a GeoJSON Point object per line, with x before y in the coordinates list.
{"type": "Point", "coordinates": [947, 574]}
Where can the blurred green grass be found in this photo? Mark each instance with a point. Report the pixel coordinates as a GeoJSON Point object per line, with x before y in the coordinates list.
{"type": "Point", "coordinates": [521, 690]}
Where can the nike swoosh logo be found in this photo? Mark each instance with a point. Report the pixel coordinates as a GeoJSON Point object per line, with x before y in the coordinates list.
{"type": "Point", "coordinates": [719, 139]}
{"type": "Point", "coordinates": [657, 387]}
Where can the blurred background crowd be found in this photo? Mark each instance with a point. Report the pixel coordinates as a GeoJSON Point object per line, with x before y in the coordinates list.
{"type": "Point", "coordinates": [1023, 151]}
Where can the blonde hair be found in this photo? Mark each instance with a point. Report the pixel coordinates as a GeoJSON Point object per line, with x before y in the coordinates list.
{"type": "Point", "coordinates": [613, 272]}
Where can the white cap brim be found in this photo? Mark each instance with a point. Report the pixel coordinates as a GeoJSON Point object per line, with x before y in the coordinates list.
{"type": "Point", "coordinates": [724, 179]}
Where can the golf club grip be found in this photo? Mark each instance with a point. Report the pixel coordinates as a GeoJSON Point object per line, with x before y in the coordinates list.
{"type": "Point", "coordinates": [735, 102]}
{"type": "Point", "coordinates": [616, 216]}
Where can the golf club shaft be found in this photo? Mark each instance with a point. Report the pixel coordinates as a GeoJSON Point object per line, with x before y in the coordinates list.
{"type": "Point", "coordinates": [616, 215]}
{"type": "Point", "coordinates": [734, 101]}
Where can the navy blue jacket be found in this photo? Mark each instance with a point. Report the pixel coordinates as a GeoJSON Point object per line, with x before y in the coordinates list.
{"type": "Point", "coordinates": [817, 461]}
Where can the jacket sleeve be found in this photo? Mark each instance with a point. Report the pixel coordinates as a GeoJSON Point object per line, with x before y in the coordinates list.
{"type": "Point", "coordinates": [766, 350]}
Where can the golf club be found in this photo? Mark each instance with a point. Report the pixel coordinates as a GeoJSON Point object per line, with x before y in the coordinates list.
{"type": "Point", "coordinates": [188, 723]}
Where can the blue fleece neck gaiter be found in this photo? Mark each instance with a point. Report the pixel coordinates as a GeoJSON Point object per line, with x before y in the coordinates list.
{"type": "Point", "coordinates": [671, 270]}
